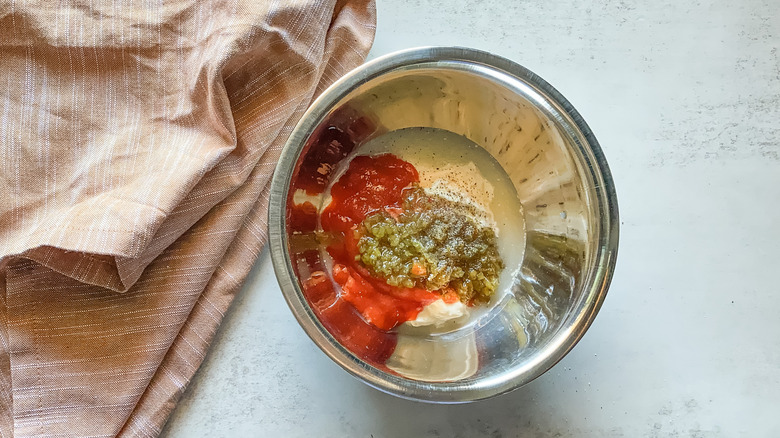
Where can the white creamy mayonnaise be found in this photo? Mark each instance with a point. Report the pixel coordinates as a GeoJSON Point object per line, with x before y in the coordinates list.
{"type": "Point", "coordinates": [438, 312]}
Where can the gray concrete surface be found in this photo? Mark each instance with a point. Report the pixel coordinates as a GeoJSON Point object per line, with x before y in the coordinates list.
{"type": "Point", "coordinates": [684, 97]}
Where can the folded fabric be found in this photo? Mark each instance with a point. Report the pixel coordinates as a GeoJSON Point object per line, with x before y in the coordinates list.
{"type": "Point", "coordinates": [137, 141]}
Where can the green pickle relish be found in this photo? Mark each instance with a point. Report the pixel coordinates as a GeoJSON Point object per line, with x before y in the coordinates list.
{"type": "Point", "coordinates": [432, 243]}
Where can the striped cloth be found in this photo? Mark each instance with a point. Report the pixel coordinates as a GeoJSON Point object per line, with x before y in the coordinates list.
{"type": "Point", "coordinates": [137, 143]}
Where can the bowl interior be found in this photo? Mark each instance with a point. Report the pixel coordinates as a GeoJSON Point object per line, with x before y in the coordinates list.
{"type": "Point", "coordinates": [561, 182]}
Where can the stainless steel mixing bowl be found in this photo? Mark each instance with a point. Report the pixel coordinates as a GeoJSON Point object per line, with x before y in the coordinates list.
{"type": "Point", "coordinates": [562, 181]}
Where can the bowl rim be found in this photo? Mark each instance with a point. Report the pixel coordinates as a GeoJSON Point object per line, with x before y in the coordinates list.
{"type": "Point", "coordinates": [561, 111]}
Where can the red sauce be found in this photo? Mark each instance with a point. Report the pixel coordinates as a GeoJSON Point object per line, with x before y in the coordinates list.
{"type": "Point", "coordinates": [361, 314]}
{"type": "Point", "coordinates": [381, 305]}
{"type": "Point", "coordinates": [345, 324]}
{"type": "Point", "coordinates": [370, 184]}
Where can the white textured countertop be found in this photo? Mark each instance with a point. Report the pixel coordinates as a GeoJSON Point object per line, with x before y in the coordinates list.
{"type": "Point", "coordinates": [684, 97]}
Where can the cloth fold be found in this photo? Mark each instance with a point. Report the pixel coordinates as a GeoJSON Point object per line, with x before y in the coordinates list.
{"type": "Point", "coordinates": [136, 149]}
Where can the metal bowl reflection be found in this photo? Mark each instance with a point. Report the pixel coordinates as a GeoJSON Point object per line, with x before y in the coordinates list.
{"type": "Point", "coordinates": [562, 181]}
